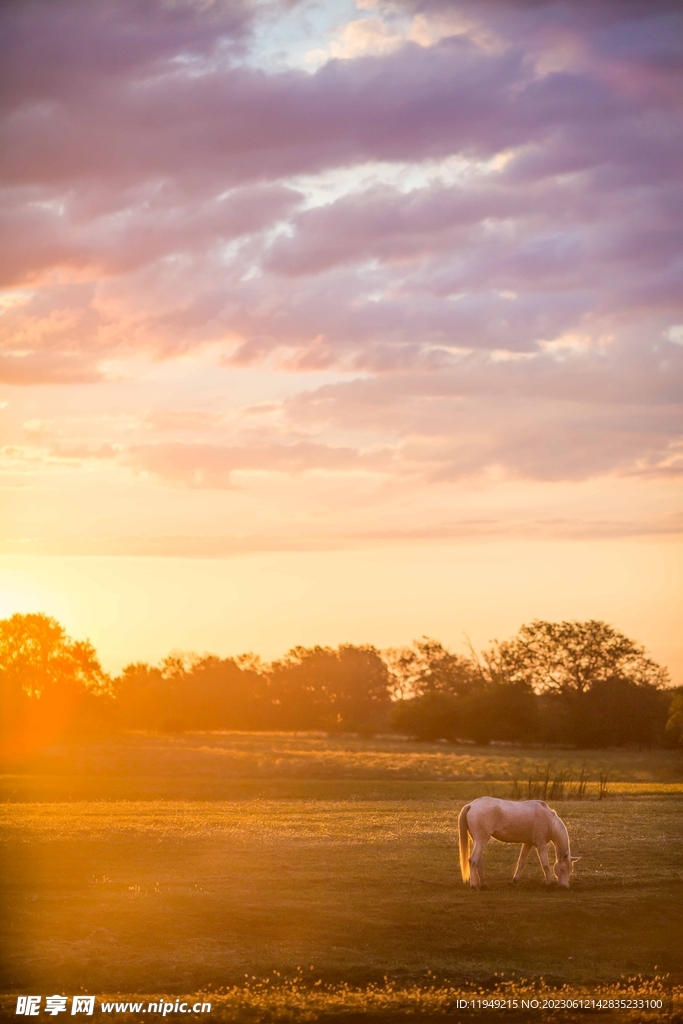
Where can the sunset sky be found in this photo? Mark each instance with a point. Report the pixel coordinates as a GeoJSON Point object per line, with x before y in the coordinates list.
{"type": "Point", "coordinates": [333, 321]}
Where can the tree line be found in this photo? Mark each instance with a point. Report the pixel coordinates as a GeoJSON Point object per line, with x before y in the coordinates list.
{"type": "Point", "coordinates": [582, 684]}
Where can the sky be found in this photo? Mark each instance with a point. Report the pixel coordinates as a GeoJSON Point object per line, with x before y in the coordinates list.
{"type": "Point", "coordinates": [325, 321]}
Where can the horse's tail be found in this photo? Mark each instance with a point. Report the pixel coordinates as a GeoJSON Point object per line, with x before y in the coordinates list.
{"type": "Point", "coordinates": [464, 844]}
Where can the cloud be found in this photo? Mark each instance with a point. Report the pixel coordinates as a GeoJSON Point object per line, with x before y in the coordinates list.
{"type": "Point", "coordinates": [359, 38]}
{"type": "Point", "coordinates": [580, 219]}
{"type": "Point", "coordinates": [505, 305]}
{"type": "Point", "coordinates": [213, 466]}
{"type": "Point", "coordinates": [222, 122]}
{"type": "Point", "coordinates": [35, 368]}
{"type": "Point", "coordinates": [151, 224]}
{"type": "Point", "coordinates": [538, 418]}
{"type": "Point", "coordinates": [217, 545]}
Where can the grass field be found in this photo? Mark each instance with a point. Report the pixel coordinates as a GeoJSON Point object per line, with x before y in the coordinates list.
{"type": "Point", "coordinates": [209, 766]}
{"type": "Point", "coordinates": [342, 880]}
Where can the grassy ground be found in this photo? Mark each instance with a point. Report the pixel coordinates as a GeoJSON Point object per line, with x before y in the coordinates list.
{"type": "Point", "coordinates": [209, 766]}
{"type": "Point", "coordinates": [345, 880]}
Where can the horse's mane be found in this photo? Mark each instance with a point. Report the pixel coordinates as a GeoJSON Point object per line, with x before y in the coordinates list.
{"type": "Point", "coordinates": [560, 836]}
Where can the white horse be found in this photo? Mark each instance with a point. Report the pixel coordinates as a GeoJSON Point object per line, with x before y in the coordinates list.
{"type": "Point", "coordinates": [530, 822]}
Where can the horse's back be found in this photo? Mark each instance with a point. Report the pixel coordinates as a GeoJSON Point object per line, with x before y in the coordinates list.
{"type": "Point", "coordinates": [510, 821]}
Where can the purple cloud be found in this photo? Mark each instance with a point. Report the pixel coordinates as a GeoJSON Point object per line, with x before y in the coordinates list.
{"type": "Point", "coordinates": [507, 309]}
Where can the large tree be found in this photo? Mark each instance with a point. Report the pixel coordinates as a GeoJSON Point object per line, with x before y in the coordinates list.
{"type": "Point", "coordinates": [48, 682]}
{"type": "Point", "coordinates": [189, 691]}
{"type": "Point", "coordinates": [448, 696]}
{"type": "Point", "coordinates": [674, 724]}
{"type": "Point", "coordinates": [37, 658]}
{"type": "Point", "coordinates": [597, 686]}
{"type": "Point", "coordinates": [344, 689]}
{"type": "Point", "coordinates": [572, 657]}
{"type": "Point", "coordinates": [427, 667]}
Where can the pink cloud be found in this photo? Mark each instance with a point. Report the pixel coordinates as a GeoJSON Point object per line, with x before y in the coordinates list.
{"type": "Point", "coordinates": [147, 200]}
{"type": "Point", "coordinates": [212, 465]}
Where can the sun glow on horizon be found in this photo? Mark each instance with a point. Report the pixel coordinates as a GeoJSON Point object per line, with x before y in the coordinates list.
{"type": "Point", "coordinates": [139, 609]}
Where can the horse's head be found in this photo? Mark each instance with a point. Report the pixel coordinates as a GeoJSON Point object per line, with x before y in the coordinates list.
{"type": "Point", "coordinates": [563, 869]}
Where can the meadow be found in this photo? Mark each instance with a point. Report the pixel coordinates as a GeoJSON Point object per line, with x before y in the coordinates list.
{"type": "Point", "coordinates": [234, 765]}
{"type": "Point", "coordinates": [303, 877]}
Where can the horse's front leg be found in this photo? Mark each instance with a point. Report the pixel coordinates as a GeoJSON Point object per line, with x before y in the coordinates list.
{"type": "Point", "coordinates": [523, 858]}
{"type": "Point", "coordinates": [477, 864]}
{"type": "Point", "coordinates": [542, 851]}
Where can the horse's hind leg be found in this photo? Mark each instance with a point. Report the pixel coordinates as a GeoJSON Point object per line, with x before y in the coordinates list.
{"type": "Point", "coordinates": [477, 865]}
{"type": "Point", "coordinates": [542, 851]}
{"type": "Point", "coordinates": [523, 858]}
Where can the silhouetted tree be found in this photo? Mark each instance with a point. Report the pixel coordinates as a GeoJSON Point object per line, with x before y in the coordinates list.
{"type": "Point", "coordinates": [346, 689]}
{"type": "Point", "coordinates": [674, 725]}
{"type": "Point", "coordinates": [618, 711]}
{"type": "Point", "coordinates": [500, 709]}
{"type": "Point", "coordinates": [427, 667]}
{"type": "Point", "coordinates": [49, 683]}
{"type": "Point", "coordinates": [143, 698]}
{"type": "Point", "coordinates": [225, 693]}
{"type": "Point", "coordinates": [454, 697]}
{"type": "Point", "coordinates": [431, 716]}
{"type": "Point", "coordinates": [343, 689]}
{"type": "Point", "coordinates": [570, 657]}
{"type": "Point", "coordinates": [189, 691]}
{"type": "Point", "coordinates": [580, 683]}
{"type": "Point", "coordinates": [607, 689]}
